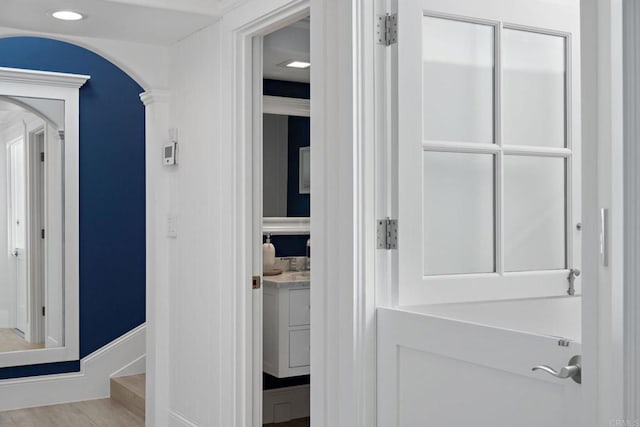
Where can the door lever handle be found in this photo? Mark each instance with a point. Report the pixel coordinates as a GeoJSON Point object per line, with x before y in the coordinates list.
{"type": "Point", "coordinates": [573, 370]}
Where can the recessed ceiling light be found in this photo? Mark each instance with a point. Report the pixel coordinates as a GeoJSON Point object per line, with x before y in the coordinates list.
{"type": "Point", "coordinates": [297, 64]}
{"type": "Point", "coordinates": [67, 15]}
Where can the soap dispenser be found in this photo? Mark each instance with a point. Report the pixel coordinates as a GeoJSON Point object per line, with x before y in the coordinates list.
{"type": "Point", "coordinates": [268, 255]}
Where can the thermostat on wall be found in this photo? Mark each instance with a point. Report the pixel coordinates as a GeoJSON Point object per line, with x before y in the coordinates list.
{"type": "Point", "coordinates": [169, 154]}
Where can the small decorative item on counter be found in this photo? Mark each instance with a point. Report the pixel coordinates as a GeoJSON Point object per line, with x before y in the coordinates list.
{"type": "Point", "coordinates": [268, 256]}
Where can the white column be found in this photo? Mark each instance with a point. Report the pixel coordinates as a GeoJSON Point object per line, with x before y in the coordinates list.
{"type": "Point", "coordinates": [157, 258]}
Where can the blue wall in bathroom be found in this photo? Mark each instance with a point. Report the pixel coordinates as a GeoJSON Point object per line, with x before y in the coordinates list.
{"type": "Point", "coordinates": [288, 89]}
{"type": "Point", "coordinates": [112, 193]}
{"type": "Point", "coordinates": [299, 136]}
{"type": "Point", "coordinates": [294, 245]}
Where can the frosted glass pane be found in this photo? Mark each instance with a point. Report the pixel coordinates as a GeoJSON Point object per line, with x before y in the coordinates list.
{"type": "Point", "coordinates": [457, 81]}
{"type": "Point", "coordinates": [458, 213]}
{"type": "Point", "coordinates": [533, 91]}
{"type": "Point", "coordinates": [534, 213]}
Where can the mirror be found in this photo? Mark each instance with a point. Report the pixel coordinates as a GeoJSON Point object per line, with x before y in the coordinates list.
{"type": "Point", "coordinates": [286, 165]}
{"type": "Point", "coordinates": [31, 294]}
{"type": "Point", "coordinates": [38, 216]}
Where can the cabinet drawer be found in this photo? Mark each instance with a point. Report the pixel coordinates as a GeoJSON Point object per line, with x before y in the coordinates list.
{"type": "Point", "coordinates": [299, 348]}
{"type": "Point", "coordinates": [299, 307]}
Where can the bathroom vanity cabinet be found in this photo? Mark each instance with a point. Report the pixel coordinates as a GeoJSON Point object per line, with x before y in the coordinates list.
{"type": "Point", "coordinates": [286, 321]}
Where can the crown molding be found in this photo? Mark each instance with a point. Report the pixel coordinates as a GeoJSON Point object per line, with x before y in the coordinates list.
{"type": "Point", "coordinates": [44, 78]}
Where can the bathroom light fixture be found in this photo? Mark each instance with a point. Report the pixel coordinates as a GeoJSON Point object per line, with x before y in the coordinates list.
{"type": "Point", "coordinates": [297, 64]}
{"type": "Point", "coordinates": [67, 15]}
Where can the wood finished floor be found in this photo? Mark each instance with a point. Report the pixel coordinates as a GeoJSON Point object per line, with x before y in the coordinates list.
{"type": "Point", "coordinates": [91, 413]}
{"type": "Point", "coordinates": [11, 341]}
{"type": "Point", "coordinates": [300, 422]}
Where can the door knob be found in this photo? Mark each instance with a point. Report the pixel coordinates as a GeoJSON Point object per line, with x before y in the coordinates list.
{"type": "Point", "coordinates": [573, 370]}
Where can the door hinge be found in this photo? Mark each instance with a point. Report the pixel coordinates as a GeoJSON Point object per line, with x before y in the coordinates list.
{"type": "Point", "coordinates": [387, 29]}
{"type": "Point", "coordinates": [42, 157]}
{"type": "Point", "coordinates": [255, 282]}
{"type": "Point", "coordinates": [43, 310]}
{"type": "Point", "coordinates": [387, 234]}
{"type": "Point", "coordinates": [42, 233]}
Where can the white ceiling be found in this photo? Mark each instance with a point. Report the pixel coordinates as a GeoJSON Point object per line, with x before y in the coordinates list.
{"type": "Point", "coordinates": [289, 43]}
{"type": "Point", "coordinates": [146, 21]}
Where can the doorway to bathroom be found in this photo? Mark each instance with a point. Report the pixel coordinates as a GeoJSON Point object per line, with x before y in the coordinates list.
{"type": "Point", "coordinates": [282, 153]}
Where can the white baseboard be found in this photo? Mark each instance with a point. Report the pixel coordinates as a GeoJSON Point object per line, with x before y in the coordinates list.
{"type": "Point", "coordinates": [138, 366]}
{"type": "Point", "coordinates": [284, 404]}
{"type": "Point", "coordinates": [92, 382]}
{"type": "Point", "coordinates": [177, 420]}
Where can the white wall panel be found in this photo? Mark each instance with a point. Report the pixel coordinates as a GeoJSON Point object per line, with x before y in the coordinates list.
{"type": "Point", "coordinates": [198, 267]}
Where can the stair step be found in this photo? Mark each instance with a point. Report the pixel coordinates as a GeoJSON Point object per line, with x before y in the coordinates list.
{"type": "Point", "coordinates": [130, 392]}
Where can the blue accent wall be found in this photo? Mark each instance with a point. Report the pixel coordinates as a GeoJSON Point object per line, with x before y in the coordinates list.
{"type": "Point", "coordinates": [299, 136]}
{"type": "Point", "coordinates": [112, 192]}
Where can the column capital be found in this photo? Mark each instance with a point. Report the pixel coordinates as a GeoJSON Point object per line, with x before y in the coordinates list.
{"type": "Point", "coordinates": [155, 95]}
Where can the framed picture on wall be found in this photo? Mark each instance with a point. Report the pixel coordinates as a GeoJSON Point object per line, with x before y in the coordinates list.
{"type": "Point", "coordinates": [305, 171]}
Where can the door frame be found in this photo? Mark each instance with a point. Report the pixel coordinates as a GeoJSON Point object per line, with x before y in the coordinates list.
{"type": "Point", "coordinates": [36, 251]}
{"type": "Point", "coordinates": [630, 17]}
{"type": "Point", "coordinates": [242, 34]}
{"type": "Point", "coordinates": [343, 229]}
{"type": "Point", "coordinates": [603, 133]}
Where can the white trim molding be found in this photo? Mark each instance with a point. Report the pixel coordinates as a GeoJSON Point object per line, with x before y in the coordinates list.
{"type": "Point", "coordinates": [631, 46]}
{"type": "Point", "coordinates": [286, 106]}
{"type": "Point", "coordinates": [343, 128]}
{"type": "Point", "coordinates": [286, 225]}
{"type": "Point", "coordinates": [91, 382]}
{"type": "Point", "coordinates": [46, 78]}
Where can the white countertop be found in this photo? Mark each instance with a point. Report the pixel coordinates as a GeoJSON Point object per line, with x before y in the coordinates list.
{"type": "Point", "coordinates": [298, 279]}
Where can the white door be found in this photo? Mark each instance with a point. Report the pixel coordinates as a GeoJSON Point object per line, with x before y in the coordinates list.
{"type": "Point", "coordinates": [488, 103]}
{"type": "Point", "coordinates": [489, 149]}
{"type": "Point", "coordinates": [17, 227]}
